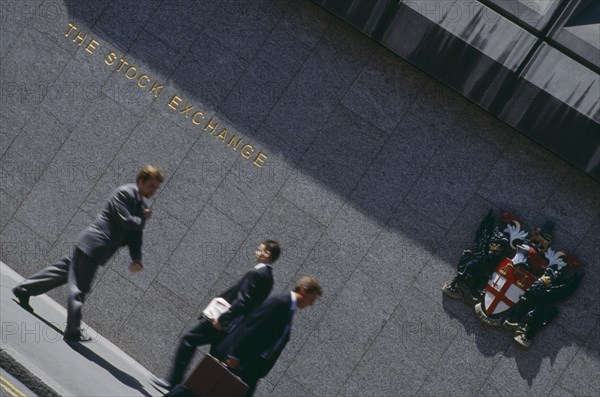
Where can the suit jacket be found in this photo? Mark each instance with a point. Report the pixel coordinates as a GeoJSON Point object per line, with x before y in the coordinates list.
{"type": "Point", "coordinates": [119, 223]}
{"type": "Point", "coordinates": [257, 342]}
{"type": "Point", "coordinates": [246, 295]}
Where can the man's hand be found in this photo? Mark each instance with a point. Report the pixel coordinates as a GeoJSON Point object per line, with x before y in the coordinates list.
{"type": "Point", "coordinates": [217, 324]}
{"type": "Point", "coordinates": [148, 213]}
{"type": "Point", "coordinates": [232, 363]}
{"type": "Point", "coordinates": [136, 266]}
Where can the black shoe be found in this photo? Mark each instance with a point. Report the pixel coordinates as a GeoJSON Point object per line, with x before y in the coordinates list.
{"type": "Point", "coordinates": [76, 337]}
{"type": "Point", "coordinates": [162, 383]}
{"type": "Point", "coordinates": [23, 298]}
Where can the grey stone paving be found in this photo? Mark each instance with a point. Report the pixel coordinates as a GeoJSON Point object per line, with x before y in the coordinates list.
{"type": "Point", "coordinates": [376, 179]}
{"type": "Point", "coordinates": [33, 350]}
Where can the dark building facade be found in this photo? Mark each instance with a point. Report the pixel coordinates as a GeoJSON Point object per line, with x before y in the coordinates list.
{"type": "Point", "coordinates": [533, 64]}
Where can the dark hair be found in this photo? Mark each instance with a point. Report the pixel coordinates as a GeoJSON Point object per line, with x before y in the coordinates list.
{"type": "Point", "coordinates": [310, 283]}
{"type": "Point", "coordinates": [150, 172]}
{"type": "Point", "coordinates": [273, 248]}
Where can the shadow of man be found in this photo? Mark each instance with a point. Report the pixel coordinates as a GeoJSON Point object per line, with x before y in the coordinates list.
{"type": "Point", "coordinates": [123, 377]}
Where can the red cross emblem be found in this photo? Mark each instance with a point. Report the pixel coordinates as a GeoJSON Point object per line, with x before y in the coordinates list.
{"type": "Point", "coordinates": [506, 286]}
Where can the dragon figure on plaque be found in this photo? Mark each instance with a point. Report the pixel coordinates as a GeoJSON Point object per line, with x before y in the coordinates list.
{"type": "Point", "coordinates": [513, 278]}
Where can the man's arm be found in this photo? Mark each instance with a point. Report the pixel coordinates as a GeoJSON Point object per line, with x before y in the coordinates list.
{"type": "Point", "coordinates": [260, 331]}
{"type": "Point", "coordinates": [122, 204]}
{"type": "Point", "coordinates": [134, 243]}
{"type": "Point", "coordinates": [246, 298]}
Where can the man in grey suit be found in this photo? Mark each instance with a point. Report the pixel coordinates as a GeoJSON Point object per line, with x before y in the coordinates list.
{"type": "Point", "coordinates": [121, 222]}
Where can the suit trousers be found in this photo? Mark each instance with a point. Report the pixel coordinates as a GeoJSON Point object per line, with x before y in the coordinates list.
{"type": "Point", "coordinates": [78, 271]}
{"type": "Point", "coordinates": [250, 376]}
{"type": "Point", "coordinates": [202, 334]}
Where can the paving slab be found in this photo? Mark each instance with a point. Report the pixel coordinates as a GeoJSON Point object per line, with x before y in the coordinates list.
{"type": "Point", "coordinates": [96, 368]}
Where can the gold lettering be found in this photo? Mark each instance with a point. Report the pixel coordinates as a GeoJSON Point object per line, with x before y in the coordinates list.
{"type": "Point", "coordinates": [71, 28]}
{"type": "Point", "coordinates": [260, 159]}
{"type": "Point", "coordinates": [236, 142]}
{"type": "Point", "coordinates": [91, 46]}
{"type": "Point", "coordinates": [110, 58]}
{"type": "Point", "coordinates": [123, 62]}
{"type": "Point", "coordinates": [174, 101]}
{"type": "Point", "coordinates": [222, 135]}
{"type": "Point", "coordinates": [186, 111]}
{"type": "Point", "coordinates": [156, 88]}
{"type": "Point", "coordinates": [197, 122]}
{"type": "Point", "coordinates": [247, 151]}
{"type": "Point", "coordinates": [134, 72]}
{"type": "Point", "coordinates": [210, 126]}
{"type": "Point", "coordinates": [80, 38]}
{"type": "Point", "coordinates": [139, 83]}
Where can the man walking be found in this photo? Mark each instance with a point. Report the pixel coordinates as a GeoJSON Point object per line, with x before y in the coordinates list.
{"type": "Point", "coordinates": [256, 344]}
{"type": "Point", "coordinates": [243, 297]}
{"type": "Point", "coordinates": [121, 222]}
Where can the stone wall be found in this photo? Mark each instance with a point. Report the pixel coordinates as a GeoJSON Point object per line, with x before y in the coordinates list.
{"type": "Point", "coordinates": [373, 177]}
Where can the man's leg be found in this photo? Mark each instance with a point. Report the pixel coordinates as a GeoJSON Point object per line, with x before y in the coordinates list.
{"type": "Point", "coordinates": [81, 274]}
{"type": "Point", "coordinates": [50, 277]}
{"type": "Point", "coordinates": [252, 383]}
{"type": "Point", "coordinates": [250, 376]}
{"type": "Point", "coordinates": [202, 334]}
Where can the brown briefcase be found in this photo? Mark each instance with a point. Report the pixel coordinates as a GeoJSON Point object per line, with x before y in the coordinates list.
{"type": "Point", "coordinates": [211, 378]}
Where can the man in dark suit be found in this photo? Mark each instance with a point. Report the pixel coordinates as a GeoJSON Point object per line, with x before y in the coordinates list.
{"type": "Point", "coordinates": [244, 296]}
{"type": "Point", "coordinates": [121, 222]}
{"type": "Point", "coordinates": [252, 349]}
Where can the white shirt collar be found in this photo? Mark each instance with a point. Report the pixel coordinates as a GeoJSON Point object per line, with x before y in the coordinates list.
{"type": "Point", "coordinates": [294, 305]}
{"type": "Point", "coordinates": [261, 265]}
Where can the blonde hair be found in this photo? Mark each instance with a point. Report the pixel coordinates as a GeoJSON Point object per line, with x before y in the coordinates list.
{"type": "Point", "coordinates": [310, 283]}
{"type": "Point", "coordinates": [150, 172]}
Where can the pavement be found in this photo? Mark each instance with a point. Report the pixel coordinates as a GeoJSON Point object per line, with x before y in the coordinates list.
{"type": "Point", "coordinates": [34, 340]}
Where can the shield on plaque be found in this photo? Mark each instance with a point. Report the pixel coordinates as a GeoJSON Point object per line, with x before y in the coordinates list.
{"type": "Point", "coordinates": [506, 286]}
{"type": "Point", "coordinates": [494, 283]}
